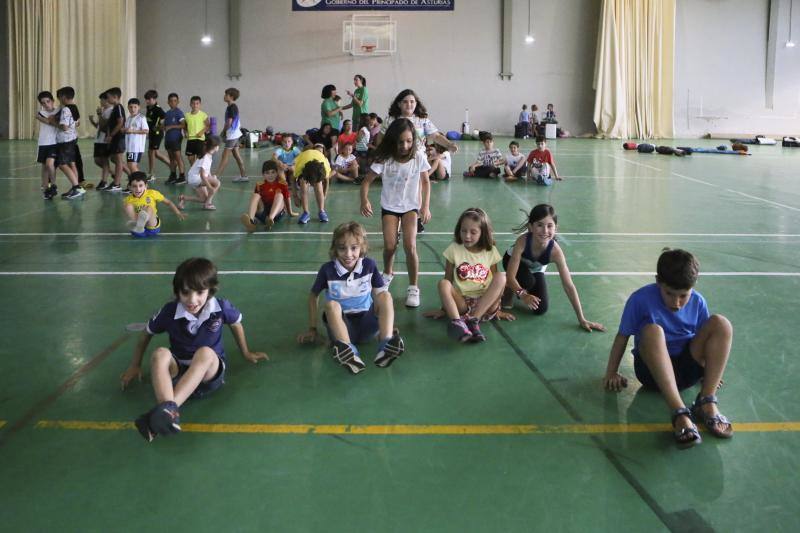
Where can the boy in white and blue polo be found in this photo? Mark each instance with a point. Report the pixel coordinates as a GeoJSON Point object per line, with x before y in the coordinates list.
{"type": "Point", "coordinates": [351, 314]}
{"type": "Point", "coordinates": [194, 364]}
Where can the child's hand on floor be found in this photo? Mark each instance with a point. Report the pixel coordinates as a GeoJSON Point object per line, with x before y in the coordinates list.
{"type": "Point", "coordinates": [132, 372]}
{"type": "Point", "coordinates": [255, 357]}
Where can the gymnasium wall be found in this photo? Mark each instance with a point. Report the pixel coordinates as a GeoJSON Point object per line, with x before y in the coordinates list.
{"type": "Point", "coordinates": [451, 59]}
{"type": "Point", "coordinates": [721, 68]}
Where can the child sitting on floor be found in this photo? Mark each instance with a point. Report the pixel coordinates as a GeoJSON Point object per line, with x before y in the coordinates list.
{"type": "Point", "coordinates": [141, 207]}
{"type": "Point", "coordinates": [194, 364]}
{"type": "Point", "coordinates": [676, 343]}
{"type": "Point", "coordinates": [526, 262]}
{"type": "Point", "coordinates": [351, 315]}
{"type": "Point", "coordinates": [345, 167]}
{"type": "Point", "coordinates": [472, 285]}
{"type": "Point", "coordinates": [440, 162]}
{"type": "Point", "coordinates": [489, 159]}
{"type": "Point", "coordinates": [541, 164]}
{"type": "Point", "coordinates": [270, 200]}
{"type": "Point", "coordinates": [515, 163]}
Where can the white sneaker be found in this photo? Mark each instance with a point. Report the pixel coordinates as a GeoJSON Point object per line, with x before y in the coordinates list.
{"type": "Point", "coordinates": [241, 179]}
{"type": "Point", "coordinates": [387, 279]}
{"type": "Point", "coordinates": [412, 296]}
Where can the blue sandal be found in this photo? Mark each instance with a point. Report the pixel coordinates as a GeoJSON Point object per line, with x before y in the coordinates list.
{"type": "Point", "coordinates": [685, 437]}
{"type": "Point", "coordinates": [712, 423]}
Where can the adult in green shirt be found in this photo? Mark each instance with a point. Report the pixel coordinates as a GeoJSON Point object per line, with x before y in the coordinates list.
{"type": "Point", "coordinates": [360, 99]}
{"type": "Point", "coordinates": [330, 109]}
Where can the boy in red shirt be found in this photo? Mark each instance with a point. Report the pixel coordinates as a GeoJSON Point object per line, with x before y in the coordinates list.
{"type": "Point", "coordinates": [270, 200]}
{"type": "Point", "coordinates": [537, 160]}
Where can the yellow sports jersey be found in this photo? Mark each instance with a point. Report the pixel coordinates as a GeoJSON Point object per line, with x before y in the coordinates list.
{"type": "Point", "coordinates": [196, 125]}
{"type": "Point", "coordinates": [310, 155]}
{"type": "Point", "coordinates": [150, 198]}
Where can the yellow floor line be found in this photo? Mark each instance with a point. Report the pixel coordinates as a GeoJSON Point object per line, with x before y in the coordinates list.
{"type": "Point", "coordinates": [409, 429]}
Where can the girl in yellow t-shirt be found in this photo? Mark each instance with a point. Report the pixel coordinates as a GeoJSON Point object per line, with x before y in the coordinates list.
{"type": "Point", "coordinates": [472, 285]}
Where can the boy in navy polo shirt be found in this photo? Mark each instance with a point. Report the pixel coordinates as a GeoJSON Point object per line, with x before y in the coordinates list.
{"type": "Point", "coordinates": [676, 344]}
{"type": "Point", "coordinates": [194, 364]}
{"type": "Point", "coordinates": [350, 314]}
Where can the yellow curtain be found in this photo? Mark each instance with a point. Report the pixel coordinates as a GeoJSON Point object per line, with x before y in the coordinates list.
{"type": "Point", "coordinates": [87, 44]}
{"type": "Point", "coordinates": [634, 69]}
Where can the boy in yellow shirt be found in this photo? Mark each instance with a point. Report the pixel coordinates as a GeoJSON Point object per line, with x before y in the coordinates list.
{"type": "Point", "coordinates": [197, 125]}
{"type": "Point", "coordinates": [141, 207]}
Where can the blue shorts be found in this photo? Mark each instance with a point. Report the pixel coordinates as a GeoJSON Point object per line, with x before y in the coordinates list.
{"type": "Point", "coordinates": [687, 370]}
{"type": "Point", "coordinates": [206, 387]}
{"type": "Point", "coordinates": [361, 326]}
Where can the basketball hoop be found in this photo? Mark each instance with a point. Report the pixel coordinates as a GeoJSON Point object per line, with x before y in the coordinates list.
{"type": "Point", "coordinates": [368, 48]}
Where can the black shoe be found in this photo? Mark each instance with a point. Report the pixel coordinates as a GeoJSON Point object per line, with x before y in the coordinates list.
{"type": "Point", "coordinates": [143, 426]}
{"type": "Point", "coordinates": [171, 180]}
{"type": "Point", "coordinates": [74, 193]}
{"type": "Point", "coordinates": [103, 185]}
{"type": "Point", "coordinates": [420, 227]}
{"type": "Point", "coordinates": [181, 180]}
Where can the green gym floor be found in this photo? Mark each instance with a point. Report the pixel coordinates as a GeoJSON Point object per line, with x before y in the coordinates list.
{"type": "Point", "coordinates": [515, 434]}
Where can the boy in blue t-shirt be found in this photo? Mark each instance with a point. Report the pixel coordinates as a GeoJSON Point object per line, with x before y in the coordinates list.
{"type": "Point", "coordinates": [285, 156]}
{"type": "Point", "coordinates": [676, 344]}
{"type": "Point", "coordinates": [194, 364]}
{"type": "Point", "coordinates": [350, 315]}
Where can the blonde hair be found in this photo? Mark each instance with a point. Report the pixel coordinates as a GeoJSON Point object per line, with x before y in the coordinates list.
{"type": "Point", "coordinates": [353, 229]}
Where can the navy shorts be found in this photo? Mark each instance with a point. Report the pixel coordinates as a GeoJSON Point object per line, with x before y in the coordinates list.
{"type": "Point", "coordinates": [173, 145]}
{"type": "Point", "coordinates": [67, 153]}
{"type": "Point", "coordinates": [262, 216]}
{"type": "Point", "coordinates": [100, 150]}
{"type": "Point", "coordinates": [361, 326]}
{"type": "Point", "coordinates": [206, 387]}
{"type": "Point", "coordinates": [195, 147]}
{"type": "Point", "coordinates": [385, 212]}
{"type": "Point", "coordinates": [47, 152]}
{"type": "Point", "coordinates": [687, 370]}
{"type": "Point", "coordinates": [134, 157]}
{"type": "Point", "coordinates": [154, 141]}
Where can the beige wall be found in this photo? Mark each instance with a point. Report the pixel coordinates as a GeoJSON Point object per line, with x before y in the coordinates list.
{"type": "Point", "coordinates": [451, 59]}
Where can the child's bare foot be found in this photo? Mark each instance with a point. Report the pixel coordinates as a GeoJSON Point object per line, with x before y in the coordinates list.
{"type": "Point", "coordinates": [181, 202]}
{"type": "Point", "coordinates": [209, 207]}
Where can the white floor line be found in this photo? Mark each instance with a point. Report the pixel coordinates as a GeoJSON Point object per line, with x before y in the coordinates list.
{"type": "Point", "coordinates": [314, 272]}
{"type": "Point", "coordinates": [709, 184]}
{"type": "Point", "coordinates": [618, 158]}
{"type": "Point", "coordinates": [516, 195]}
{"type": "Point", "coordinates": [778, 204]}
{"type": "Point", "coordinates": [263, 234]}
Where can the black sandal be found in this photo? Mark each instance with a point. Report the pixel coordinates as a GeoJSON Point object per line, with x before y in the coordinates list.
{"type": "Point", "coordinates": [685, 437]}
{"type": "Point", "coordinates": [712, 423]}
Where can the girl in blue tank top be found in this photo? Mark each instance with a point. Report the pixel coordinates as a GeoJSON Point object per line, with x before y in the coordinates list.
{"type": "Point", "coordinates": [526, 262]}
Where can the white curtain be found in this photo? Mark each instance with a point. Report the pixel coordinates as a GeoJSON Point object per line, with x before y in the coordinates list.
{"type": "Point", "coordinates": [634, 69]}
{"type": "Point", "coordinates": [87, 44]}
